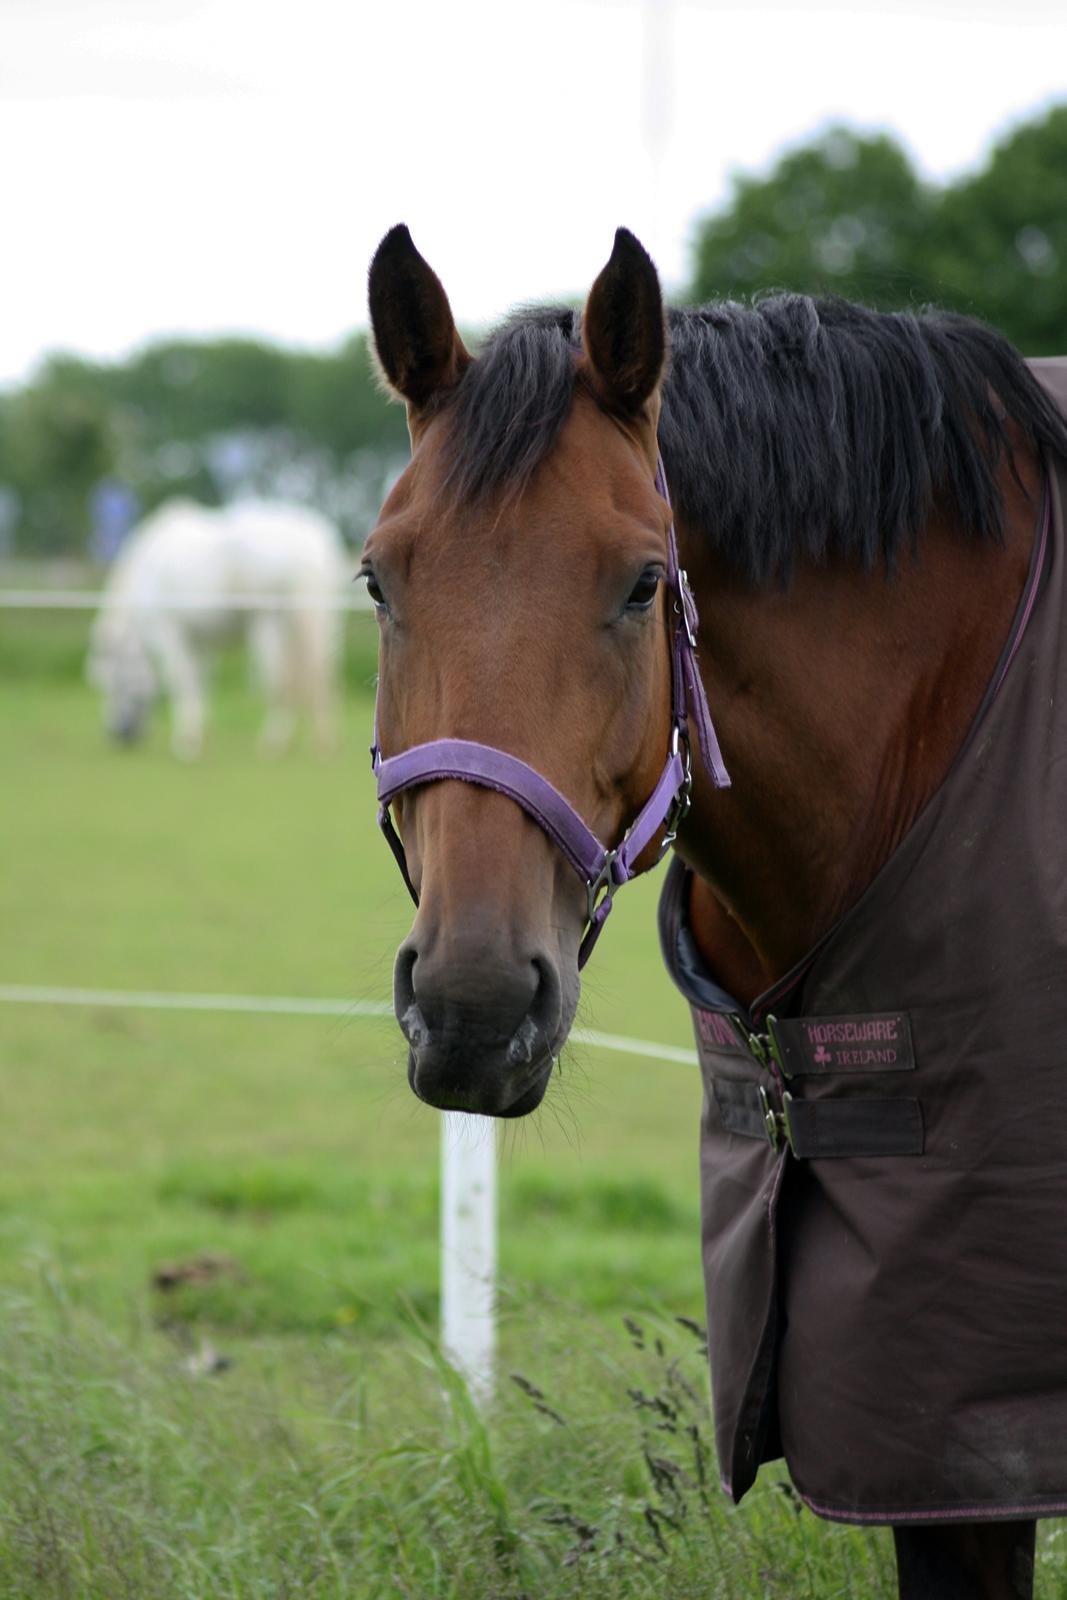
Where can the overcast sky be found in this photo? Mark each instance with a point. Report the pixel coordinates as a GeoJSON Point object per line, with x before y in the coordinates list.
{"type": "Point", "coordinates": [199, 166]}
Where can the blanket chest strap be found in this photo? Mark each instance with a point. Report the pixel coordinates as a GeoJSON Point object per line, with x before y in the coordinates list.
{"type": "Point", "coordinates": [834, 1126]}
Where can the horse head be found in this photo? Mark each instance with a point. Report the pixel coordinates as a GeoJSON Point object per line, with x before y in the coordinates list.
{"type": "Point", "coordinates": [120, 667]}
{"type": "Point", "coordinates": [520, 573]}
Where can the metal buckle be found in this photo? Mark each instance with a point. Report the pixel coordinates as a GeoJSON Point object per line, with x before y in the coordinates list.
{"type": "Point", "coordinates": [687, 608]}
{"type": "Point", "coordinates": [787, 1126]}
{"type": "Point", "coordinates": [679, 807]}
{"type": "Point", "coordinates": [603, 880]}
{"type": "Point", "coordinates": [766, 1047]}
{"type": "Point", "coordinates": [774, 1045]}
{"type": "Point", "coordinates": [777, 1124]}
{"type": "Point", "coordinates": [770, 1119]}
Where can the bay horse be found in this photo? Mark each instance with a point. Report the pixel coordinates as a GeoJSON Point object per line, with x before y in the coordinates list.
{"type": "Point", "coordinates": [831, 688]}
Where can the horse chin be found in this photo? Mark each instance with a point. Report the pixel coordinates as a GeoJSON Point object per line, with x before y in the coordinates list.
{"type": "Point", "coordinates": [531, 1098]}
{"type": "Point", "coordinates": [494, 1096]}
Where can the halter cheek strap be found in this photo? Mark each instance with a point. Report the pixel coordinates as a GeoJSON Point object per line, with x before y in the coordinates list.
{"type": "Point", "coordinates": [602, 869]}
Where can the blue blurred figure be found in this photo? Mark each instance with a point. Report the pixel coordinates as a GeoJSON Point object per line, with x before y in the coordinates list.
{"type": "Point", "coordinates": [113, 508]}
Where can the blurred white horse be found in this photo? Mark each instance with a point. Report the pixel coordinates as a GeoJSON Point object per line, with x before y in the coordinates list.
{"type": "Point", "coordinates": [189, 577]}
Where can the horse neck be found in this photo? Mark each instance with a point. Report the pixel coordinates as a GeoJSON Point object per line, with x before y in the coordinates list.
{"type": "Point", "coordinates": [841, 702]}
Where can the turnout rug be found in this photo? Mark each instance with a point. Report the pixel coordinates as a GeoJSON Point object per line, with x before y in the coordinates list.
{"type": "Point", "coordinates": [884, 1138]}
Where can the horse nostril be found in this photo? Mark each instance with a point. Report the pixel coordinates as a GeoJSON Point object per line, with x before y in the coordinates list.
{"type": "Point", "coordinates": [404, 977]}
{"type": "Point", "coordinates": [538, 1028]}
{"type": "Point", "coordinates": [412, 1022]}
{"type": "Point", "coordinates": [520, 999]}
{"type": "Point", "coordinates": [547, 1008]}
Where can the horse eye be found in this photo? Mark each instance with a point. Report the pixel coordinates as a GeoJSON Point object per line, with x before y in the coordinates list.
{"type": "Point", "coordinates": [374, 588]}
{"type": "Point", "coordinates": [644, 590]}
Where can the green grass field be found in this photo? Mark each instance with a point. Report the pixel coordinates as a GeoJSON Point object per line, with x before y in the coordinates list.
{"type": "Point", "coordinates": [333, 1454]}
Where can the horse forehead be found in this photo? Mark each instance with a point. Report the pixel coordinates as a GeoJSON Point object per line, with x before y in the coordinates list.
{"type": "Point", "coordinates": [594, 482]}
{"type": "Point", "coordinates": [517, 547]}
{"type": "Point", "coordinates": [598, 464]}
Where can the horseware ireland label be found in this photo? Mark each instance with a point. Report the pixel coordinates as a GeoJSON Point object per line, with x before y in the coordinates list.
{"type": "Point", "coordinates": [876, 1042]}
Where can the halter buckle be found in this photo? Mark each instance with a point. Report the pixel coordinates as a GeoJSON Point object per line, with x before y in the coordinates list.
{"type": "Point", "coordinates": [679, 808]}
{"type": "Point", "coordinates": [603, 881]}
{"type": "Point", "coordinates": [686, 608]}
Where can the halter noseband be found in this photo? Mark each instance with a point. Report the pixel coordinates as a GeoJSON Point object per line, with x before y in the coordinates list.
{"type": "Point", "coordinates": [602, 870]}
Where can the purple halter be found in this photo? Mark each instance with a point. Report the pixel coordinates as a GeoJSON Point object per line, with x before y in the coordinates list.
{"type": "Point", "coordinates": [602, 870]}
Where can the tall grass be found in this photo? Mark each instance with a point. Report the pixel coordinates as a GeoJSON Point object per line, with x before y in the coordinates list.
{"type": "Point", "coordinates": [329, 1471]}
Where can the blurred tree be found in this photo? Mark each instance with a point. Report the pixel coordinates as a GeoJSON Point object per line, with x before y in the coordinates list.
{"type": "Point", "coordinates": [337, 400]}
{"type": "Point", "coordinates": [847, 214]}
{"type": "Point", "coordinates": [998, 248]}
{"type": "Point", "coordinates": [232, 416]}
{"type": "Point", "coordinates": [205, 418]}
{"type": "Point", "coordinates": [844, 215]}
{"type": "Point", "coordinates": [58, 441]}
{"type": "Point", "coordinates": [189, 389]}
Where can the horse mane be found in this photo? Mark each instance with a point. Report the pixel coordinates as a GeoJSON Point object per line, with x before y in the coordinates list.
{"type": "Point", "coordinates": [794, 428]}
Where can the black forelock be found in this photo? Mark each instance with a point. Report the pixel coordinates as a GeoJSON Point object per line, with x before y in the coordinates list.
{"type": "Point", "coordinates": [508, 408]}
{"type": "Point", "coordinates": [791, 429]}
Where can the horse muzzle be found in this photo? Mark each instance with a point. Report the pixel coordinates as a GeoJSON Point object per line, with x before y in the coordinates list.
{"type": "Point", "coordinates": [482, 1031]}
{"type": "Point", "coordinates": [126, 730]}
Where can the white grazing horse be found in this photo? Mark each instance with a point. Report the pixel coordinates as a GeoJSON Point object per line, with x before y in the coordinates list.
{"type": "Point", "coordinates": [190, 576]}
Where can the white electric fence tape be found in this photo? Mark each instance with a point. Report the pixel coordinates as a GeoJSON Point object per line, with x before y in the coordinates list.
{"type": "Point", "coordinates": [102, 600]}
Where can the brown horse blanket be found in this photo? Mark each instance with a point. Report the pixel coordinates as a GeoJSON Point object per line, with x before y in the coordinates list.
{"type": "Point", "coordinates": [884, 1159]}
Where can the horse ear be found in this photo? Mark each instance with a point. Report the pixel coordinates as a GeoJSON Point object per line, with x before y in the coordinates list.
{"type": "Point", "coordinates": [414, 333]}
{"type": "Point", "coordinates": [623, 328]}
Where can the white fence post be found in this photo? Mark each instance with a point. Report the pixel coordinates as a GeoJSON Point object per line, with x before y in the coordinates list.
{"type": "Point", "coordinates": [468, 1247]}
